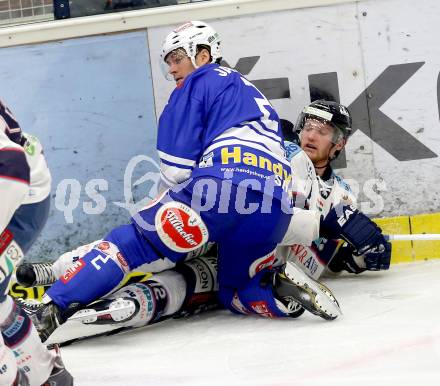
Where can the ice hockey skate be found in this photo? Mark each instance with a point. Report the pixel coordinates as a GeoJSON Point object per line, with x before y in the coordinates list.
{"type": "Point", "coordinates": [35, 274]}
{"type": "Point", "coordinates": [45, 317]}
{"type": "Point", "coordinates": [108, 311]}
{"type": "Point", "coordinates": [292, 287]}
{"type": "Point", "coordinates": [22, 379]}
{"type": "Point", "coordinates": [59, 376]}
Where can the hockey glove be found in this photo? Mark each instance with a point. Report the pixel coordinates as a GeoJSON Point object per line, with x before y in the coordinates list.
{"type": "Point", "coordinates": [378, 257]}
{"type": "Point", "coordinates": [346, 222]}
{"type": "Point", "coordinates": [346, 260]}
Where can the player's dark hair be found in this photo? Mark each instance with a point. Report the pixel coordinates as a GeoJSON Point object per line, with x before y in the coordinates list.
{"type": "Point", "coordinates": [208, 48]}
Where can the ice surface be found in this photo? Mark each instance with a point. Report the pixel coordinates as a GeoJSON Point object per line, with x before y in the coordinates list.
{"type": "Point", "coordinates": [389, 335]}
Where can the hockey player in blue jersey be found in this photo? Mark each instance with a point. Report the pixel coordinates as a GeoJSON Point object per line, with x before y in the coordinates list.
{"type": "Point", "coordinates": [25, 186]}
{"type": "Point", "coordinates": [225, 179]}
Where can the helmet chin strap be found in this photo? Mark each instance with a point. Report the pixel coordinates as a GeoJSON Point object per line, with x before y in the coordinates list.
{"type": "Point", "coordinates": [193, 61]}
{"type": "Point", "coordinates": [334, 155]}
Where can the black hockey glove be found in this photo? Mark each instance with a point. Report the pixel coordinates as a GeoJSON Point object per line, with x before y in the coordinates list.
{"type": "Point", "coordinates": [378, 257]}
{"type": "Point", "coordinates": [346, 260]}
{"type": "Point", "coordinates": [346, 222]}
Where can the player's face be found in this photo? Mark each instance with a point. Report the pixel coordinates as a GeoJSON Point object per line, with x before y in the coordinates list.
{"type": "Point", "coordinates": [179, 66]}
{"type": "Point", "coordinates": [317, 141]}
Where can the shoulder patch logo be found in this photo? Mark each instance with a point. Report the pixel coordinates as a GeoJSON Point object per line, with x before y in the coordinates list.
{"type": "Point", "coordinates": [180, 228]}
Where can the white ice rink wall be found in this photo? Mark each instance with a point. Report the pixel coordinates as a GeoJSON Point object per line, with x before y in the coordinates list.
{"type": "Point", "coordinates": [380, 58]}
{"type": "Point", "coordinates": [90, 101]}
{"type": "Point", "coordinates": [380, 62]}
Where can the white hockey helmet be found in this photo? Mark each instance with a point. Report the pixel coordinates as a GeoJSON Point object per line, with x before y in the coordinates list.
{"type": "Point", "coordinates": [190, 35]}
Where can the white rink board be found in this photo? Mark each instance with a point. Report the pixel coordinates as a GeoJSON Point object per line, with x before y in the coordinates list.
{"type": "Point", "coordinates": [90, 101]}
{"type": "Point", "coordinates": [358, 42]}
{"type": "Point", "coordinates": [407, 36]}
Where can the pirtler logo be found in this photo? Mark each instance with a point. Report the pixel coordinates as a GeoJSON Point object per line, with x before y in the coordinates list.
{"type": "Point", "coordinates": [180, 228]}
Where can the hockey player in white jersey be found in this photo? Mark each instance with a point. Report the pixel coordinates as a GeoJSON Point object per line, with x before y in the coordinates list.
{"type": "Point", "coordinates": [323, 128]}
{"type": "Point", "coordinates": [25, 185]}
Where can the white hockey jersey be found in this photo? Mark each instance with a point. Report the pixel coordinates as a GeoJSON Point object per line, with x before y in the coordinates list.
{"type": "Point", "coordinates": [319, 195]}
{"type": "Point", "coordinates": [41, 179]}
{"type": "Point", "coordinates": [24, 175]}
{"type": "Point", "coordinates": [14, 178]}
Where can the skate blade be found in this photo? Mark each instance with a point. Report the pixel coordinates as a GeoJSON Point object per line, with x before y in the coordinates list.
{"type": "Point", "coordinates": [119, 311]}
{"type": "Point", "coordinates": [323, 303]}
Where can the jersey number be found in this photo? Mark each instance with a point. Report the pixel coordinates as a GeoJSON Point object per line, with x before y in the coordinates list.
{"type": "Point", "coordinates": [102, 258]}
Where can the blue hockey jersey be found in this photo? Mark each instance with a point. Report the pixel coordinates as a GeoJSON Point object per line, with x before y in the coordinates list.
{"type": "Point", "coordinates": [219, 124]}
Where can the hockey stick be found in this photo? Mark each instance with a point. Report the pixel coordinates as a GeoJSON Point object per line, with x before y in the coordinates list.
{"type": "Point", "coordinates": [414, 237]}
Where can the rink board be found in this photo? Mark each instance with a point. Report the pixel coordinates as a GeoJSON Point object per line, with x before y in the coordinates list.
{"type": "Point", "coordinates": [408, 251]}
{"type": "Point", "coordinates": [18, 291]}
{"type": "Point", "coordinates": [369, 57]}
{"type": "Point", "coordinates": [90, 102]}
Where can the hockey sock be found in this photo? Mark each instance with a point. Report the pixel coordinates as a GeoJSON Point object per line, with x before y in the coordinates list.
{"type": "Point", "coordinates": [21, 336]}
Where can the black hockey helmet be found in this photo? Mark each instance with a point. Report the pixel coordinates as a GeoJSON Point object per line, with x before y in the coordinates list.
{"type": "Point", "coordinates": [329, 112]}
